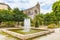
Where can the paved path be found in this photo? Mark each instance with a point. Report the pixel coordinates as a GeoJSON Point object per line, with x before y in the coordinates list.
{"type": "Point", "coordinates": [52, 36]}
{"type": "Point", "coordinates": [2, 37]}
{"type": "Point", "coordinates": [6, 37]}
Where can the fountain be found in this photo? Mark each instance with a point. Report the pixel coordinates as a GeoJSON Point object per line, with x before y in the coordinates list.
{"type": "Point", "coordinates": [27, 26]}
{"type": "Point", "coordinates": [27, 31]}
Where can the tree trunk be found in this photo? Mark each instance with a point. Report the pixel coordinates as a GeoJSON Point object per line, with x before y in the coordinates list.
{"type": "Point", "coordinates": [36, 24]}
{"type": "Point", "coordinates": [18, 23]}
{"type": "Point", "coordinates": [0, 22]}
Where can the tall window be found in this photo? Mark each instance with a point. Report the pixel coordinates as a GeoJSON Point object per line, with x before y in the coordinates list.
{"type": "Point", "coordinates": [30, 13]}
{"type": "Point", "coordinates": [36, 11]}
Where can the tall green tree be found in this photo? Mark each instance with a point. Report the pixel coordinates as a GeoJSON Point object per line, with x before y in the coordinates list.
{"type": "Point", "coordinates": [41, 16]}
{"type": "Point", "coordinates": [50, 18]}
{"type": "Point", "coordinates": [38, 20]}
{"type": "Point", "coordinates": [1, 17]}
{"type": "Point", "coordinates": [18, 15]}
{"type": "Point", "coordinates": [56, 9]}
{"type": "Point", "coordinates": [6, 15]}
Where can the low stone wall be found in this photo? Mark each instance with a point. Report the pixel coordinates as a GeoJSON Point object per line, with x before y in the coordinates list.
{"type": "Point", "coordinates": [24, 37]}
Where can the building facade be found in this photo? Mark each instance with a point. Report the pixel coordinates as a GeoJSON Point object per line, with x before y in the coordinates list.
{"type": "Point", "coordinates": [31, 12]}
{"type": "Point", "coordinates": [4, 6]}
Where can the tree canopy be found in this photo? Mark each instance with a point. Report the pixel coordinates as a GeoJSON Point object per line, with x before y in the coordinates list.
{"type": "Point", "coordinates": [12, 15]}
{"type": "Point", "coordinates": [18, 15]}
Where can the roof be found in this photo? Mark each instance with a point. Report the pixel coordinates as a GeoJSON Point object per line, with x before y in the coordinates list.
{"type": "Point", "coordinates": [6, 5]}
{"type": "Point", "coordinates": [32, 7]}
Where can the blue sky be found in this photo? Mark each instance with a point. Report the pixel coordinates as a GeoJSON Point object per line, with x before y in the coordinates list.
{"type": "Point", "coordinates": [45, 5]}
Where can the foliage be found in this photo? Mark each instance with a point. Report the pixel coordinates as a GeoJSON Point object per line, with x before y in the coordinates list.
{"type": "Point", "coordinates": [12, 15]}
{"type": "Point", "coordinates": [50, 18]}
{"type": "Point", "coordinates": [10, 23]}
{"type": "Point", "coordinates": [19, 15]}
{"type": "Point", "coordinates": [6, 15]}
{"type": "Point", "coordinates": [39, 19]}
{"type": "Point", "coordinates": [56, 9]}
{"type": "Point", "coordinates": [52, 26]}
{"type": "Point", "coordinates": [7, 24]}
{"type": "Point", "coordinates": [36, 21]}
{"type": "Point", "coordinates": [41, 16]}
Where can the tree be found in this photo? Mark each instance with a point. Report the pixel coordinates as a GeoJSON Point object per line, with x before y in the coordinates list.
{"type": "Point", "coordinates": [1, 17]}
{"type": "Point", "coordinates": [46, 18]}
{"type": "Point", "coordinates": [37, 20]}
{"type": "Point", "coordinates": [19, 15]}
{"type": "Point", "coordinates": [56, 9]}
{"type": "Point", "coordinates": [41, 16]}
{"type": "Point", "coordinates": [6, 15]}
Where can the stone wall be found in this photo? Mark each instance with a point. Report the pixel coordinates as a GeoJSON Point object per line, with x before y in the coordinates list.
{"type": "Point", "coordinates": [31, 12]}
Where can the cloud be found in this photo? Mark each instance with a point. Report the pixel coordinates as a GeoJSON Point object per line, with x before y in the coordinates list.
{"type": "Point", "coordinates": [45, 5]}
{"type": "Point", "coordinates": [23, 1]}
{"type": "Point", "coordinates": [1, 1]}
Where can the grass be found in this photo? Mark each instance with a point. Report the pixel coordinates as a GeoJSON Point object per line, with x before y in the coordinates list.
{"type": "Point", "coordinates": [20, 31]}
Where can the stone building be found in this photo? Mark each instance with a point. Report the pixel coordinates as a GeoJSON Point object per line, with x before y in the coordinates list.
{"type": "Point", "coordinates": [31, 12]}
{"type": "Point", "coordinates": [4, 6]}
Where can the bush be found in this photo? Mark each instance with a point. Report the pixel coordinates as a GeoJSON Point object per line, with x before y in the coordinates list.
{"type": "Point", "coordinates": [52, 26]}
{"type": "Point", "coordinates": [10, 24]}
{"type": "Point", "coordinates": [36, 24]}
{"type": "Point", "coordinates": [2, 25]}
{"type": "Point", "coordinates": [22, 24]}
{"type": "Point", "coordinates": [7, 24]}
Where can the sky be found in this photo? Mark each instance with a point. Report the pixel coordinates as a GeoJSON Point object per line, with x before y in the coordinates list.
{"type": "Point", "coordinates": [45, 5]}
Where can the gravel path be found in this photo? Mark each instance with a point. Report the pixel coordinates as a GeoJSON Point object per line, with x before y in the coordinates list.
{"type": "Point", "coordinates": [2, 37]}
{"type": "Point", "coordinates": [52, 36]}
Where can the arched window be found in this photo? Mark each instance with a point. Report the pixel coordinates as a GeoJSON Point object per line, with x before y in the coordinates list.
{"type": "Point", "coordinates": [30, 13]}
{"type": "Point", "coordinates": [36, 11]}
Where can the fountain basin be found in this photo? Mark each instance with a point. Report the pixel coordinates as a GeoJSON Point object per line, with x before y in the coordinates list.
{"type": "Point", "coordinates": [20, 31]}
{"type": "Point", "coordinates": [6, 36]}
{"type": "Point", "coordinates": [25, 36]}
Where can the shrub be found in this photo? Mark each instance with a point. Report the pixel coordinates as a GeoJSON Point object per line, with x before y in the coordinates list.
{"type": "Point", "coordinates": [22, 24]}
{"type": "Point", "coordinates": [7, 24]}
{"type": "Point", "coordinates": [36, 24]}
{"type": "Point", "coordinates": [52, 26]}
{"type": "Point", "coordinates": [10, 24]}
{"type": "Point", "coordinates": [2, 25]}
